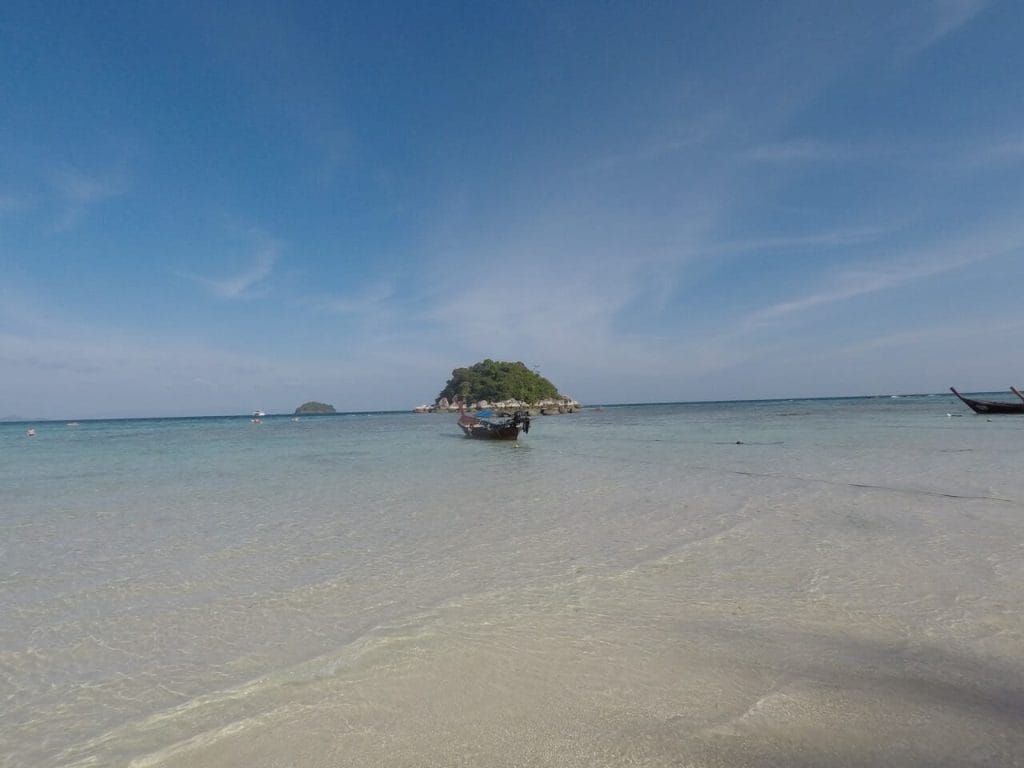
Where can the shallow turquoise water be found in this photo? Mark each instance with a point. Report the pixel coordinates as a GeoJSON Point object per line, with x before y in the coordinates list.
{"type": "Point", "coordinates": [718, 584]}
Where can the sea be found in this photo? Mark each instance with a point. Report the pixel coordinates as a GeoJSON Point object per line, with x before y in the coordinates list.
{"type": "Point", "coordinates": [834, 582]}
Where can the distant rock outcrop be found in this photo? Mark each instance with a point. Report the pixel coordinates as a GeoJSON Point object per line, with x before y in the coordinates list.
{"type": "Point", "coordinates": [502, 386]}
{"type": "Point", "coordinates": [314, 407]}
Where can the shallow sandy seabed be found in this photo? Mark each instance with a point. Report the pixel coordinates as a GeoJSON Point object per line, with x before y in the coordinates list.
{"type": "Point", "coordinates": [827, 584]}
{"type": "Point", "coordinates": [717, 653]}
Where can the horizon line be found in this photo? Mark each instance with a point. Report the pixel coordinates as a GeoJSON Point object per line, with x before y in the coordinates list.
{"type": "Point", "coordinates": [385, 412]}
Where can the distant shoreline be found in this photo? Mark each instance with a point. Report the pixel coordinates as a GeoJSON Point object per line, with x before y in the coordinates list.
{"type": "Point", "coordinates": [388, 412]}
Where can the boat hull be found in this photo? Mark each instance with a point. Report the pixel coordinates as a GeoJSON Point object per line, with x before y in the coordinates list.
{"type": "Point", "coordinates": [990, 406]}
{"type": "Point", "coordinates": [490, 431]}
{"type": "Point", "coordinates": [481, 429]}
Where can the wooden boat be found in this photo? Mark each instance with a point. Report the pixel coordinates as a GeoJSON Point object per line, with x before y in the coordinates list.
{"type": "Point", "coordinates": [507, 429]}
{"type": "Point", "coordinates": [991, 406]}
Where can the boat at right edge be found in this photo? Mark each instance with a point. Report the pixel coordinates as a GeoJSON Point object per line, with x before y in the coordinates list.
{"type": "Point", "coordinates": [992, 406]}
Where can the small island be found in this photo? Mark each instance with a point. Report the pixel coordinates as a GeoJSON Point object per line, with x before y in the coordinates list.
{"type": "Point", "coordinates": [314, 407]}
{"type": "Point", "coordinates": [503, 386]}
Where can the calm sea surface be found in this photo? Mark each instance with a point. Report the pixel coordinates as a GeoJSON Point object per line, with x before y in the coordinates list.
{"type": "Point", "coordinates": [802, 583]}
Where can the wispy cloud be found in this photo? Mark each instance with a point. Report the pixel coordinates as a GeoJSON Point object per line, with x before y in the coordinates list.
{"type": "Point", "coordinates": [12, 203]}
{"type": "Point", "coordinates": [965, 153]}
{"type": "Point", "coordinates": [564, 320]}
{"type": "Point", "coordinates": [73, 370]}
{"type": "Point", "coordinates": [845, 286]}
{"type": "Point", "coordinates": [237, 285]}
{"type": "Point", "coordinates": [247, 282]}
{"type": "Point", "coordinates": [941, 18]}
{"type": "Point", "coordinates": [78, 192]}
{"type": "Point", "coordinates": [752, 338]}
{"type": "Point", "coordinates": [807, 150]}
{"type": "Point", "coordinates": [85, 369]}
{"type": "Point", "coordinates": [901, 269]}
{"type": "Point", "coordinates": [838, 238]}
{"type": "Point", "coordinates": [370, 300]}
{"type": "Point", "coordinates": [1008, 150]}
{"type": "Point", "coordinates": [334, 148]}
{"type": "Point", "coordinates": [672, 139]}
{"type": "Point", "coordinates": [947, 334]}
{"type": "Point", "coordinates": [993, 152]}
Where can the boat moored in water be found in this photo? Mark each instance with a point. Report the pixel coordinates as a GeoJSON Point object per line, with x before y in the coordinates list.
{"type": "Point", "coordinates": [992, 406]}
{"type": "Point", "coordinates": [483, 428]}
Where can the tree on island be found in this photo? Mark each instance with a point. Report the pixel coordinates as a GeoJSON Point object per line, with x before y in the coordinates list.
{"type": "Point", "coordinates": [314, 407]}
{"type": "Point", "coordinates": [495, 381]}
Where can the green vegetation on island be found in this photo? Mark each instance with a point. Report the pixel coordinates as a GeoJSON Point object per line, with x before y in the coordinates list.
{"type": "Point", "coordinates": [497, 381]}
{"type": "Point", "coordinates": [314, 407]}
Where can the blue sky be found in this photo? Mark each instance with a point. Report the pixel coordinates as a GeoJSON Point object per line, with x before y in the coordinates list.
{"type": "Point", "coordinates": [214, 208]}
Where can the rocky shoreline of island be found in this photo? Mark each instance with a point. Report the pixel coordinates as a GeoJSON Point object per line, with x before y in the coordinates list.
{"type": "Point", "coordinates": [547, 407]}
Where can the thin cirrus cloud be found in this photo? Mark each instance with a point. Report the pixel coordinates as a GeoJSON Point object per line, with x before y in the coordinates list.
{"type": "Point", "coordinates": [996, 152]}
{"type": "Point", "coordinates": [750, 337]}
{"type": "Point", "coordinates": [946, 334]}
{"type": "Point", "coordinates": [972, 153]}
{"type": "Point", "coordinates": [78, 192]}
{"type": "Point", "coordinates": [903, 270]}
{"type": "Point", "coordinates": [371, 301]}
{"type": "Point", "coordinates": [812, 150]}
{"type": "Point", "coordinates": [247, 283]}
{"type": "Point", "coordinates": [12, 203]}
{"type": "Point", "coordinates": [941, 19]}
{"type": "Point", "coordinates": [839, 238]}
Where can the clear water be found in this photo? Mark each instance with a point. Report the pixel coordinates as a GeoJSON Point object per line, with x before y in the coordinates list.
{"type": "Point", "coordinates": [805, 583]}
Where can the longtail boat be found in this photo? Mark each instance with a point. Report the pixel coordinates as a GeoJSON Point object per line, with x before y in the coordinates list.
{"type": "Point", "coordinates": [484, 428]}
{"type": "Point", "coordinates": [991, 406]}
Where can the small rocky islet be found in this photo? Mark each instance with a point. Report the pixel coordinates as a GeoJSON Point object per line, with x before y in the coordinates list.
{"type": "Point", "coordinates": [314, 407]}
{"type": "Point", "coordinates": [504, 387]}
